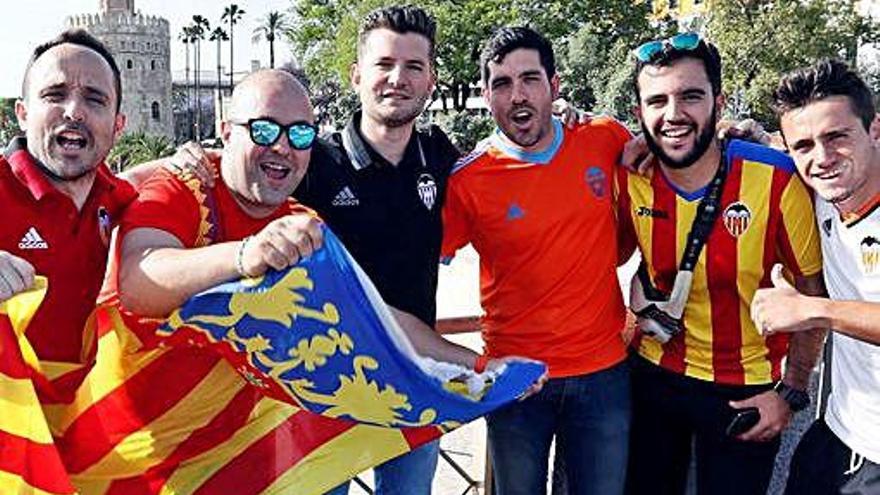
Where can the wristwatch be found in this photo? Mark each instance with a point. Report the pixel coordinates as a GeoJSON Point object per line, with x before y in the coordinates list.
{"type": "Point", "coordinates": [797, 400]}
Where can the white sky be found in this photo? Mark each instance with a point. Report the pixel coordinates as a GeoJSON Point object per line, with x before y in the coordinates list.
{"type": "Point", "coordinates": [30, 22]}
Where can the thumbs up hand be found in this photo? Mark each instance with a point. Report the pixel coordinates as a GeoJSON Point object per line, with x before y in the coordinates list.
{"type": "Point", "coordinates": [780, 308]}
{"type": "Point", "coordinates": [778, 279]}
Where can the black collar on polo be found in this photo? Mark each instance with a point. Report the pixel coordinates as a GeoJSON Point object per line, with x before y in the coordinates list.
{"type": "Point", "coordinates": [19, 142]}
{"type": "Point", "coordinates": [362, 155]}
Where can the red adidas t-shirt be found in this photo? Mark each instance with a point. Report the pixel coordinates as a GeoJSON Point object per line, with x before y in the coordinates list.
{"type": "Point", "coordinates": [67, 246]}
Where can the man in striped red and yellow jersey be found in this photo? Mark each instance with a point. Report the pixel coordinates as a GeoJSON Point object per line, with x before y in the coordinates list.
{"type": "Point", "coordinates": [697, 388]}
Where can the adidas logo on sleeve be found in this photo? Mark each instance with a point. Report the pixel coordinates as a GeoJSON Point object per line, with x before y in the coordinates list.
{"type": "Point", "coordinates": [345, 198]}
{"type": "Point", "coordinates": [32, 240]}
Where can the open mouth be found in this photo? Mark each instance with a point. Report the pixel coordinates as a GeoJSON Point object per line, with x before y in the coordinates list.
{"type": "Point", "coordinates": [275, 171]}
{"type": "Point", "coordinates": [71, 140]}
{"type": "Point", "coordinates": [522, 116]}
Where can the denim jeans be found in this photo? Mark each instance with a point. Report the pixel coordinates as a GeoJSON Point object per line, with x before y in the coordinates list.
{"type": "Point", "coordinates": [409, 474]}
{"type": "Point", "coordinates": [589, 415]}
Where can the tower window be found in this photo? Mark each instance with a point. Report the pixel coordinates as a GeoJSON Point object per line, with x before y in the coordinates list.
{"type": "Point", "coordinates": [129, 64]}
{"type": "Point", "coordinates": [155, 110]}
{"type": "Point", "coordinates": [152, 65]}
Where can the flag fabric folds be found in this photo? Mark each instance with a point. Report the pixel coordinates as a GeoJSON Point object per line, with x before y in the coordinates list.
{"type": "Point", "coordinates": [290, 383]}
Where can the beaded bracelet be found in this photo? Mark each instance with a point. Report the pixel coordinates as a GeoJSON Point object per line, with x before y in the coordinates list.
{"type": "Point", "coordinates": [239, 257]}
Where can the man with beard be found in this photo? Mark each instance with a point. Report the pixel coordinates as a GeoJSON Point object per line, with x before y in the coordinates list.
{"type": "Point", "coordinates": [830, 127]}
{"type": "Point", "coordinates": [703, 376]}
{"type": "Point", "coordinates": [59, 200]}
{"type": "Point", "coordinates": [535, 200]}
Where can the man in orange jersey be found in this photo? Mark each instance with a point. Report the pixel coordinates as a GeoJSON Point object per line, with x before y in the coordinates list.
{"type": "Point", "coordinates": [535, 200]}
{"type": "Point", "coordinates": [710, 223]}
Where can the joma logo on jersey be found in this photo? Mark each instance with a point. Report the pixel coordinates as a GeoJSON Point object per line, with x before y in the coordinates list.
{"type": "Point", "coordinates": [644, 211]}
{"type": "Point", "coordinates": [870, 247]}
{"type": "Point", "coordinates": [737, 218]}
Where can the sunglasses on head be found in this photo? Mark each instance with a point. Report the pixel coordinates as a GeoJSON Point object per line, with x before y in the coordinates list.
{"type": "Point", "coordinates": [648, 52]}
{"type": "Point", "coordinates": [265, 132]}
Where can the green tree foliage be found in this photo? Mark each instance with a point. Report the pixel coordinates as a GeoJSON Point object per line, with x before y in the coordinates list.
{"type": "Point", "coordinates": [759, 40]}
{"type": "Point", "coordinates": [271, 26]}
{"type": "Point", "coordinates": [8, 122]}
{"type": "Point", "coordinates": [593, 39]}
{"type": "Point", "coordinates": [231, 15]}
{"type": "Point", "coordinates": [466, 128]}
{"type": "Point", "coordinates": [326, 34]}
{"type": "Point", "coordinates": [587, 36]}
{"type": "Point", "coordinates": [137, 147]}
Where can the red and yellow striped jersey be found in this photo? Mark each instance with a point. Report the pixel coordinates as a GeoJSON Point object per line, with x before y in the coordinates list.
{"type": "Point", "coordinates": [766, 218]}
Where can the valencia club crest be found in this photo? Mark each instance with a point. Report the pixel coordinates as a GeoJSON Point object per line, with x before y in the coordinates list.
{"type": "Point", "coordinates": [737, 217]}
{"type": "Point", "coordinates": [870, 248]}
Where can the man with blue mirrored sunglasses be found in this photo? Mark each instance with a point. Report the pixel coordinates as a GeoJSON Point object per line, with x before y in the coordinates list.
{"type": "Point", "coordinates": [265, 131]}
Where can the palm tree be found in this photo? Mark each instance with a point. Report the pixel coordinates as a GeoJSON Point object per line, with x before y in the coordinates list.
{"type": "Point", "coordinates": [231, 14]}
{"type": "Point", "coordinates": [273, 24]}
{"type": "Point", "coordinates": [219, 35]}
{"type": "Point", "coordinates": [138, 147]}
{"type": "Point", "coordinates": [199, 27]}
{"type": "Point", "coordinates": [186, 36]}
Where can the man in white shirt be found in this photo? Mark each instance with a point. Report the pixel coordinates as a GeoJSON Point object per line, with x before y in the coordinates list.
{"type": "Point", "coordinates": [829, 125]}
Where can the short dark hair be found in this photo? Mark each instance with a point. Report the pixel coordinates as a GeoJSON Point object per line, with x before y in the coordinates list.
{"type": "Point", "coordinates": [825, 78]}
{"type": "Point", "coordinates": [401, 19]}
{"type": "Point", "coordinates": [508, 39]}
{"type": "Point", "coordinates": [82, 38]}
{"type": "Point", "coordinates": [705, 52]}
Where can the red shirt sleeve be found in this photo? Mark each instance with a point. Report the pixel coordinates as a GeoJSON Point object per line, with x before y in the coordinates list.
{"type": "Point", "coordinates": [165, 203]}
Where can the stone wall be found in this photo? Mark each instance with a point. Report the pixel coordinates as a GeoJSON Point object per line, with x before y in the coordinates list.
{"type": "Point", "coordinates": [141, 46]}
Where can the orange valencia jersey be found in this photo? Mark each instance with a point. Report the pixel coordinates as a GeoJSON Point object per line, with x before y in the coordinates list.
{"type": "Point", "coordinates": [544, 226]}
{"type": "Point", "coordinates": [766, 218]}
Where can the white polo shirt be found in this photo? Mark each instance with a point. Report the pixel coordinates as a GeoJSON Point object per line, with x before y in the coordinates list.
{"type": "Point", "coordinates": [851, 252]}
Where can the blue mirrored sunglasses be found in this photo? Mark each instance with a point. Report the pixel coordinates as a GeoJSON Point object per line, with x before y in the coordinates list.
{"type": "Point", "coordinates": [649, 51]}
{"type": "Point", "coordinates": [265, 132]}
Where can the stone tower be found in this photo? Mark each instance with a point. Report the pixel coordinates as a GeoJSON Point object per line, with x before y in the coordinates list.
{"type": "Point", "coordinates": [141, 46]}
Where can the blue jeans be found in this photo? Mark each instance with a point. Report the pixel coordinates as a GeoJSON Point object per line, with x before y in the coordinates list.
{"type": "Point", "coordinates": [409, 474]}
{"type": "Point", "coordinates": [589, 415]}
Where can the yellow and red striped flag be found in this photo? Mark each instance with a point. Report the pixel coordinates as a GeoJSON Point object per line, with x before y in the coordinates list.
{"type": "Point", "coordinates": [291, 383]}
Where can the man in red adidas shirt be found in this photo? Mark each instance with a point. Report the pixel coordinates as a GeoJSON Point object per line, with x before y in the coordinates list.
{"type": "Point", "coordinates": [58, 199]}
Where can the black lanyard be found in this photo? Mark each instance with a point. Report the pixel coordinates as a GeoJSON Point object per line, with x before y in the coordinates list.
{"type": "Point", "coordinates": [704, 221]}
{"type": "Point", "coordinates": [707, 213]}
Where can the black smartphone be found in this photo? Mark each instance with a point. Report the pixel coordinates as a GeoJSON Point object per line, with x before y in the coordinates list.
{"type": "Point", "coordinates": [743, 420]}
